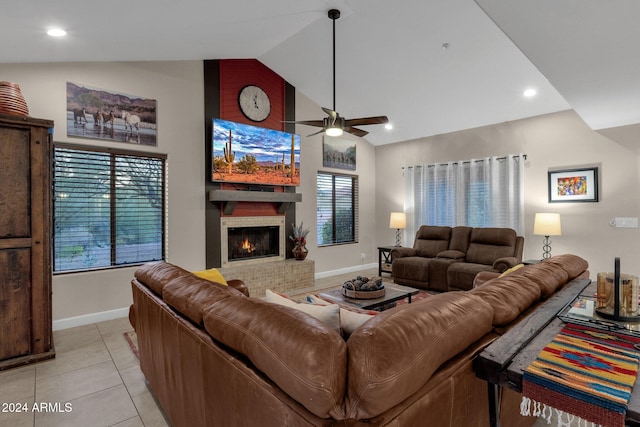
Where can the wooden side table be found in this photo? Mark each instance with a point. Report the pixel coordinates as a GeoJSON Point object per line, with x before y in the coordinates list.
{"type": "Point", "coordinates": [384, 259]}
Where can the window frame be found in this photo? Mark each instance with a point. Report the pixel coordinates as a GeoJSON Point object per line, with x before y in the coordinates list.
{"type": "Point", "coordinates": [355, 202]}
{"type": "Point", "coordinates": [113, 153]}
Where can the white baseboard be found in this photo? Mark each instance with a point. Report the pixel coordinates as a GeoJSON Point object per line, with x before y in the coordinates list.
{"type": "Point", "coordinates": [87, 319]}
{"type": "Point", "coordinates": [345, 270]}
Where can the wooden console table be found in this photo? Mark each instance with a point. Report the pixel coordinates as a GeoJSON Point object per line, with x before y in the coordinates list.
{"type": "Point", "coordinates": [502, 363]}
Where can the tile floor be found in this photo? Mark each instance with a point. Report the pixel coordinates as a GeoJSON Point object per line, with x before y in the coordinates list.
{"type": "Point", "coordinates": [94, 380]}
{"type": "Point", "coordinates": [94, 372]}
{"type": "Point", "coordinates": [97, 374]}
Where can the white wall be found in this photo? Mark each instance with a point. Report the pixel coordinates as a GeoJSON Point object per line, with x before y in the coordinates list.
{"type": "Point", "coordinates": [332, 259]}
{"type": "Point", "coordinates": [553, 141]}
{"type": "Point", "coordinates": [178, 89]}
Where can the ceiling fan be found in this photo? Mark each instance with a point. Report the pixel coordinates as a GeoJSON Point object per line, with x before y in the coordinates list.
{"type": "Point", "coordinates": [334, 124]}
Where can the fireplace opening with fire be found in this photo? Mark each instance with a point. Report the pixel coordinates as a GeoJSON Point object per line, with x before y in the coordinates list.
{"type": "Point", "coordinates": [253, 242]}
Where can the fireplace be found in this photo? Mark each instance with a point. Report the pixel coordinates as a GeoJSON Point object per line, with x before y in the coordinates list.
{"type": "Point", "coordinates": [250, 240]}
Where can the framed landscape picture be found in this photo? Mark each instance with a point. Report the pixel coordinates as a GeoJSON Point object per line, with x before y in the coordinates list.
{"type": "Point", "coordinates": [105, 114]}
{"type": "Point", "coordinates": [338, 153]}
{"type": "Point", "coordinates": [573, 185]}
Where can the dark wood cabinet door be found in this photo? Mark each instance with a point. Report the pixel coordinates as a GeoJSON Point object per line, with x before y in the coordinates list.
{"type": "Point", "coordinates": [25, 237]}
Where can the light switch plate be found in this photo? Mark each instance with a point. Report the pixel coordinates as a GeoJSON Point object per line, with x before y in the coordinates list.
{"type": "Point", "coordinates": [626, 222]}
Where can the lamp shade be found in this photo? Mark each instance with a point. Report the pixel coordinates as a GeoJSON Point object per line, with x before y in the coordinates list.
{"type": "Point", "coordinates": [547, 224]}
{"type": "Point", "coordinates": [398, 220]}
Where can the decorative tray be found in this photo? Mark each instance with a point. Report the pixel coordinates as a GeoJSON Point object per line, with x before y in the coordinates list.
{"type": "Point", "coordinates": [378, 293]}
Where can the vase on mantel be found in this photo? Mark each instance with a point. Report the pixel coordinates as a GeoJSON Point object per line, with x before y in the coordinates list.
{"type": "Point", "coordinates": [300, 251]}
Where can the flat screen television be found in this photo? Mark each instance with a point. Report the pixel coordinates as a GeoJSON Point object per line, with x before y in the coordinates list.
{"type": "Point", "coordinates": [254, 155]}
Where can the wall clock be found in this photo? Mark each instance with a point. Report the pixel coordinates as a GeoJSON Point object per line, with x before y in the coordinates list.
{"type": "Point", "coordinates": [254, 103]}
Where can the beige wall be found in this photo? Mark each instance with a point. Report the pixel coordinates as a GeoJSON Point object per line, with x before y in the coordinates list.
{"type": "Point", "coordinates": [333, 259]}
{"type": "Point", "coordinates": [178, 88]}
{"type": "Point", "coordinates": [556, 140]}
{"type": "Point", "coordinates": [553, 141]}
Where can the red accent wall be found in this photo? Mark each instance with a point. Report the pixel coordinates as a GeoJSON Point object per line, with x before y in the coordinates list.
{"type": "Point", "coordinates": [238, 73]}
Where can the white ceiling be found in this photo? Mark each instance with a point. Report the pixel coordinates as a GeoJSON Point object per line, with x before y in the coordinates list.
{"type": "Point", "coordinates": [578, 54]}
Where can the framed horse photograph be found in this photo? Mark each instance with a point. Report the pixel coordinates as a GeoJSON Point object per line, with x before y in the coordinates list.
{"type": "Point", "coordinates": [105, 114]}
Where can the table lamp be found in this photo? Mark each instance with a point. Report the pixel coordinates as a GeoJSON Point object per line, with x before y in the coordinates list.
{"type": "Point", "coordinates": [547, 224]}
{"type": "Point", "coordinates": [398, 220]}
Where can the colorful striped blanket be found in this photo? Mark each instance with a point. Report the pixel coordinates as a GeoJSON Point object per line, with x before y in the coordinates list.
{"type": "Point", "coordinates": [584, 372]}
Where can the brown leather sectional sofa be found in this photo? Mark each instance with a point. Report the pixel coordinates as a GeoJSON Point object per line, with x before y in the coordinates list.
{"type": "Point", "coordinates": [448, 258]}
{"type": "Point", "coordinates": [214, 357]}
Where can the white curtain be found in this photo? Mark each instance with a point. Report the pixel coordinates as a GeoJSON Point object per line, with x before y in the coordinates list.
{"type": "Point", "coordinates": [485, 192]}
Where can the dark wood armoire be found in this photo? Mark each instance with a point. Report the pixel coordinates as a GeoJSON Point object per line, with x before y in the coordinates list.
{"type": "Point", "coordinates": [25, 240]}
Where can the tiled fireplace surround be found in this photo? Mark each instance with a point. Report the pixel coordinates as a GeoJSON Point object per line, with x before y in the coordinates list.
{"type": "Point", "coordinates": [276, 273]}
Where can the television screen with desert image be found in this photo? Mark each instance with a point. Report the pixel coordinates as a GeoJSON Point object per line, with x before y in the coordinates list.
{"type": "Point", "coordinates": [253, 155]}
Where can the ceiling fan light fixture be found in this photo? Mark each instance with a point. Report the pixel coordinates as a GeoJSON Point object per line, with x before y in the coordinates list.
{"type": "Point", "coordinates": [334, 131]}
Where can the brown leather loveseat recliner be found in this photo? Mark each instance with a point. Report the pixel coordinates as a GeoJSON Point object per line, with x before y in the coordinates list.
{"type": "Point", "coordinates": [448, 258]}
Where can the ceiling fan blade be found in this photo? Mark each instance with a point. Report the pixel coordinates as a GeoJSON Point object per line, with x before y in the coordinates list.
{"type": "Point", "coordinates": [355, 131]}
{"type": "Point", "coordinates": [315, 133]}
{"type": "Point", "coordinates": [378, 120]}
{"type": "Point", "coordinates": [317, 123]}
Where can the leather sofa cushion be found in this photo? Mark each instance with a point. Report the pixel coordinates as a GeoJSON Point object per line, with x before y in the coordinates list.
{"type": "Point", "coordinates": [155, 275]}
{"type": "Point", "coordinates": [509, 296]}
{"type": "Point", "coordinates": [395, 353]}
{"type": "Point", "coordinates": [572, 264]}
{"type": "Point", "coordinates": [548, 276]}
{"type": "Point", "coordinates": [303, 356]}
{"type": "Point", "coordinates": [460, 238]}
{"type": "Point", "coordinates": [488, 244]}
{"type": "Point", "coordinates": [190, 295]}
{"type": "Point", "coordinates": [430, 240]}
{"type": "Point", "coordinates": [415, 268]}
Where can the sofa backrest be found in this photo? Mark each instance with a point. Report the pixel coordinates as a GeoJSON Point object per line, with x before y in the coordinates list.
{"type": "Point", "coordinates": [488, 244]}
{"type": "Point", "coordinates": [431, 240]}
{"type": "Point", "coordinates": [306, 358]}
{"type": "Point", "coordinates": [460, 238]}
{"type": "Point", "coordinates": [303, 356]}
{"type": "Point", "coordinates": [395, 353]}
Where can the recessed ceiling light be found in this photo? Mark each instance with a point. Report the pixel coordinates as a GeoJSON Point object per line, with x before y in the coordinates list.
{"type": "Point", "coordinates": [530, 92]}
{"type": "Point", "coordinates": [388, 126]}
{"type": "Point", "coordinates": [56, 32]}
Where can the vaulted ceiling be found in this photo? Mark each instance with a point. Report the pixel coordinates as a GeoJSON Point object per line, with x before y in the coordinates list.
{"type": "Point", "coordinates": [432, 66]}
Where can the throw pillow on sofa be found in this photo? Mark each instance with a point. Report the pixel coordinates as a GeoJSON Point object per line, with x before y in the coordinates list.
{"type": "Point", "coordinates": [212, 274]}
{"type": "Point", "coordinates": [328, 314]}
{"type": "Point", "coordinates": [350, 318]}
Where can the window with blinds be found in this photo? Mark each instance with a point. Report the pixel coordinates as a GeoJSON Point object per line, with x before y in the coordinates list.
{"type": "Point", "coordinates": [337, 214]}
{"type": "Point", "coordinates": [109, 208]}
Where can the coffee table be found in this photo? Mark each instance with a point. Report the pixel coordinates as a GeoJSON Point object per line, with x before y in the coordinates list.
{"type": "Point", "coordinates": [392, 294]}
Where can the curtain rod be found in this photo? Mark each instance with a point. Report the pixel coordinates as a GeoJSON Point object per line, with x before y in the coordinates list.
{"type": "Point", "coordinates": [459, 162]}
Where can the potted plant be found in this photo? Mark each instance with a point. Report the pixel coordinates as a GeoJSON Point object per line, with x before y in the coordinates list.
{"type": "Point", "coordinates": [299, 238]}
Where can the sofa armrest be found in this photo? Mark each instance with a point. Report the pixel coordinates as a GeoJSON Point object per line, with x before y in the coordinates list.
{"type": "Point", "coordinates": [452, 254]}
{"type": "Point", "coordinates": [401, 252]}
{"type": "Point", "coordinates": [483, 277]}
{"type": "Point", "coordinates": [502, 264]}
{"type": "Point", "coordinates": [239, 285]}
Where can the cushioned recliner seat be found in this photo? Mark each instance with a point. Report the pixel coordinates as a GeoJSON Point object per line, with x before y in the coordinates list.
{"type": "Point", "coordinates": [490, 249]}
{"type": "Point", "coordinates": [410, 266]}
{"type": "Point", "coordinates": [448, 258]}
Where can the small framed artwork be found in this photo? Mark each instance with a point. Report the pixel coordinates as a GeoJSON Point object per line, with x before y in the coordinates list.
{"type": "Point", "coordinates": [573, 185]}
{"type": "Point", "coordinates": [338, 153]}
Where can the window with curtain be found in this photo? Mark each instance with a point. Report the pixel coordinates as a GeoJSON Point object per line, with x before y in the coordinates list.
{"type": "Point", "coordinates": [485, 192]}
{"type": "Point", "coordinates": [109, 208]}
{"type": "Point", "coordinates": [337, 215]}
